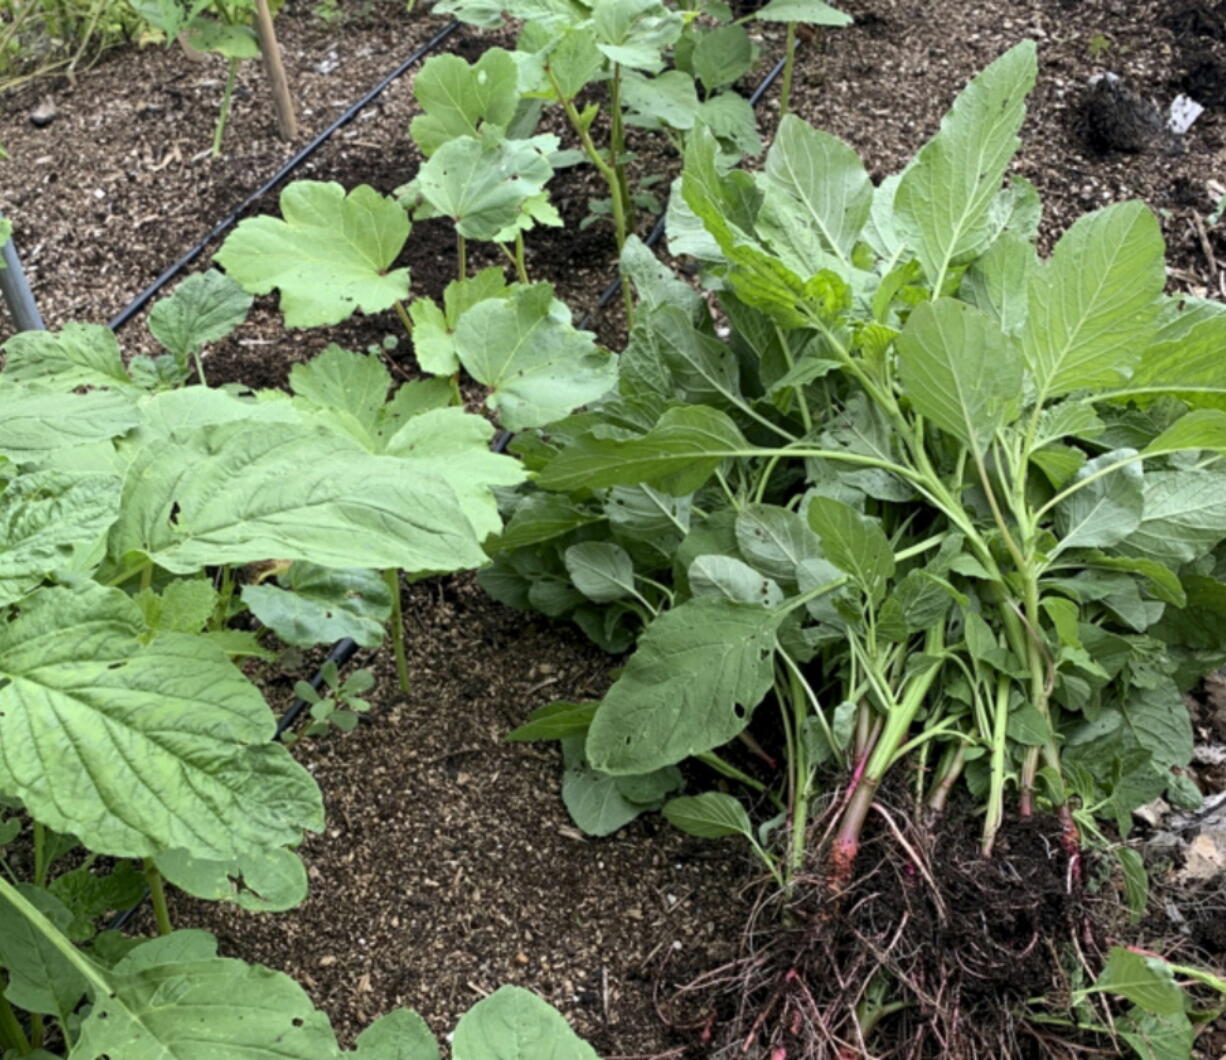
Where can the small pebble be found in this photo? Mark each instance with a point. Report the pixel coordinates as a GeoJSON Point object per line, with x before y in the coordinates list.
{"type": "Point", "coordinates": [44, 114]}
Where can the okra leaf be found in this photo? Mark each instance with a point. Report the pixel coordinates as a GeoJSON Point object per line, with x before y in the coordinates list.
{"type": "Point", "coordinates": [457, 99]}
{"type": "Point", "coordinates": [46, 517]}
{"type": "Point", "coordinates": [1092, 308]}
{"type": "Point", "coordinates": [539, 366]}
{"type": "Point", "coordinates": [679, 454]}
{"type": "Point", "coordinates": [824, 179]}
{"type": "Point", "coordinates": [810, 12]}
{"type": "Point", "coordinates": [36, 423]}
{"type": "Point", "coordinates": [77, 355]}
{"type": "Point", "coordinates": [1108, 509]}
{"type": "Point", "coordinates": [233, 40]}
{"type": "Point", "coordinates": [88, 715]}
{"type": "Point", "coordinates": [733, 120]}
{"type": "Point", "coordinates": [514, 1024]}
{"type": "Point", "coordinates": [634, 33]}
{"type": "Point", "coordinates": [696, 676]}
{"type": "Point", "coordinates": [960, 370]}
{"type": "Point", "coordinates": [944, 197]}
{"type": "Point", "coordinates": [239, 493]}
{"type": "Point", "coordinates": [434, 329]}
{"type": "Point", "coordinates": [330, 256]}
{"type": "Point", "coordinates": [667, 100]}
{"type": "Point", "coordinates": [319, 605]}
{"type": "Point", "coordinates": [204, 308]}
{"type": "Point", "coordinates": [722, 55]}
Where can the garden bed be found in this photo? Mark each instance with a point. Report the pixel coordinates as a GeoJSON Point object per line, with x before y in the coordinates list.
{"type": "Point", "coordinates": [448, 865]}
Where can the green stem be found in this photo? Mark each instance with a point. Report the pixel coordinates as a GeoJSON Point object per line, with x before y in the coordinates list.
{"type": "Point", "coordinates": [802, 780]}
{"type": "Point", "coordinates": [996, 782]}
{"type": "Point", "coordinates": [405, 320]}
{"type": "Point", "coordinates": [617, 145]}
{"type": "Point", "coordinates": [157, 893]}
{"type": "Point", "coordinates": [40, 854]}
{"type": "Point", "coordinates": [521, 266]}
{"type": "Point", "coordinates": [223, 115]}
{"type": "Point", "coordinates": [727, 769]}
{"type": "Point", "coordinates": [785, 86]}
{"type": "Point", "coordinates": [461, 255]}
{"type": "Point", "coordinates": [11, 1034]}
{"type": "Point", "coordinates": [951, 771]}
{"type": "Point", "coordinates": [392, 577]}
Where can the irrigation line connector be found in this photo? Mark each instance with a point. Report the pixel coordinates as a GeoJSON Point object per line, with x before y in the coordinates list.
{"type": "Point", "coordinates": [141, 300]}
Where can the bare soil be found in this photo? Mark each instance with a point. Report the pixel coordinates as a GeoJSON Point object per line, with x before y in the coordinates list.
{"type": "Point", "coordinates": [449, 865]}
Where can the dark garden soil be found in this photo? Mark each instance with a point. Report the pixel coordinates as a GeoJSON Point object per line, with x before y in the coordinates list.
{"type": "Point", "coordinates": [448, 865]}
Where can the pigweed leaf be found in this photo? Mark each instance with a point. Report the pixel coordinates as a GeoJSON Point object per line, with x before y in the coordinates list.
{"type": "Point", "coordinates": [539, 366]}
{"type": "Point", "coordinates": [1163, 582]}
{"type": "Point", "coordinates": [1154, 1037]}
{"type": "Point", "coordinates": [514, 1024]}
{"type": "Point", "coordinates": [484, 184]}
{"type": "Point", "coordinates": [1107, 510]}
{"type": "Point", "coordinates": [78, 355]}
{"type": "Point", "coordinates": [1136, 882]}
{"type": "Point", "coordinates": [204, 308]}
{"type": "Point", "coordinates": [593, 799]}
{"type": "Point", "coordinates": [318, 605]}
{"type": "Point", "coordinates": [458, 99]}
{"type": "Point", "coordinates": [679, 454]}
{"type": "Point", "coordinates": [823, 179]}
{"type": "Point", "coordinates": [1185, 358]}
{"type": "Point", "coordinates": [88, 715]}
{"type": "Point", "coordinates": [811, 12]}
{"type": "Point", "coordinates": [330, 257]}
{"type": "Point", "coordinates": [655, 283]}
{"type": "Point", "coordinates": [1092, 307]}
{"type": "Point", "coordinates": [47, 518]}
{"type": "Point", "coordinates": [733, 579]}
{"type": "Point", "coordinates": [960, 370]}
{"type": "Point", "coordinates": [703, 370]}
{"type": "Point", "coordinates": [775, 540]}
{"type": "Point", "coordinates": [711, 815]}
{"type": "Point", "coordinates": [699, 671]}
{"type": "Point", "coordinates": [944, 197]}
{"type": "Point", "coordinates": [40, 979]}
{"type": "Point", "coordinates": [36, 422]}
{"type": "Point", "coordinates": [1184, 517]}
{"type": "Point", "coordinates": [540, 517]}
{"type": "Point", "coordinates": [998, 280]}
{"type": "Point", "coordinates": [602, 570]}
{"type": "Point", "coordinates": [239, 493]}
{"type": "Point", "coordinates": [854, 543]}
{"type": "Point", "coordinates": [261, 880]}
{"type": "Point", "coordinates": [1199, 429]}
{"type": "Point", "coordinates": [400, 1035]}
{"type": "Point", "coordinates": [554, 721]}
{"type": "Point", "coordinates": [1145, 981]}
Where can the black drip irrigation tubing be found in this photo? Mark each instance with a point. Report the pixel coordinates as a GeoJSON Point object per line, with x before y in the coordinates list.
{"type": "Point", "coordinates": [344, 650]}
{"type": "Point", "coordinates": [231, 219]}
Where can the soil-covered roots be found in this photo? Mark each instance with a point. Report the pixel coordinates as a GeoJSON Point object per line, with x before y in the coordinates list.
{"type": "Point", "coordinates": [929, 952]}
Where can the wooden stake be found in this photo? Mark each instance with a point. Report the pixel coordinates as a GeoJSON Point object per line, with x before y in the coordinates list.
{"type": "Point", "coordinates": [286, 123]}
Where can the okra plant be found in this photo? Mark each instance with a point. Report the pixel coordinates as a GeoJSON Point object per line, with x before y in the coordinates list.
{"type": "Point", "coordinates": [934, 500]}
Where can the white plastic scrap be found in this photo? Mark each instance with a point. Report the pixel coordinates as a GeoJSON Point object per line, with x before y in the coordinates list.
{"type": "Point", "coordinates": [1184, 111]}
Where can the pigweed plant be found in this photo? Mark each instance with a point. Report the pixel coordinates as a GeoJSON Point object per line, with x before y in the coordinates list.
{"type": "Point", "coordinates": [927, 510]}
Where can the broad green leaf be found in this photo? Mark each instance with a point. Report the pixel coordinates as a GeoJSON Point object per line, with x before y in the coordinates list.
{"type": "Point", "coordinates": [1108, 509]}
{"type": "Point", "coordinates": [998, 280]}
{"type": "Point", "coordinates": [1154, 1037]}
{"type": "Point", "coordinates": [34, 423]}
{"type": "Point", "coordinates": [654, 282]}
{"type": "Point", "coordinates": [598, 803]}
{"type": "Point", "coordinates": [1185, 358]}
{"type": "Point", "coordinates": [1199, 429]}
{"type": "Point", "coordinates": [703, 369]}
{"type": "Point", "coordinates": [1163, 582]}
{"type": "Point", "coordinates": [733, 120]}
{"type": "Point", "coordinates": [330, 257]}
{"type": "Point", "coordinates": [514, 1024]}
{"type": "Point", "coordinates": [722, 55]}
{"type": "Point", "coordinates": [944, 198]}
{"type": "Point", "coordinates": [239, 493]}
{"type": "Point", "coordinates": [434, 328]}
{"type": "Point", "coordinates": [204, 308]}
{"type": "Point", "coordinates": [634, 33]}
{"type": "Point", "coordinates": [1136, 881]}
{"type": "Point", "coordinates": [775, 540]}
{"type": "Point", "coordinates": [733, 579]}
{"type": "Point", "coordinates": [1185, 516]}
{"type": "Point", "coordinates": [811, 12]}
{"type": "Point", "coordinates": [853, 542]}
{"type": "Point", "coordinates": [77, 355]}
{"type": "Point", "coordinates": [45, 517]}
{"type": "Point", "coordinates": [667, 100]}
{"type": "Point", "coordinates": [233, 40]}
{"type": "Point", "coordinates": [680, 454]}
{"type": "Point", "coordinates": [711, 815]}
{"type": "Point", "coordinates": [88, 716]}
{"type": "Point", "coordinates": [1092, 307]}
{"type": "Point", "coordinates": [40, 979]}
{"type": "Point", "coordinates": [960, 370]}
{"type": "Point", "coordinates": [699, 671]}
{"type": "Point", "coordinates": [89, 894]}
{"type": "Point", "coordinates": [400, 1035]}
{"type": "Point", "coordinates": [484, 184]}
{"type": "Point", "coordinates": [540, 517]}
{"type": "Point", "coordinates": [1145, 981]}
{"type": "Point", "coordinates": [574, 60]}
{"type": "Point", "coordinates": [181, 411]}
{"type": "Point", "coordinates": [318, 605]}
{"type": "Point", "coordinates": [538, 364]}
{"type": "Point", "coordinates": [457, 99]}
{"type": "Point", "coordinates": [555, 721]}
{"type": "Point", "coordinates": [262, 880]}
{"type": "Point", "coordinates": [601, 570]}
{"type": "Point", "coordinates": [184, 606]}
{"type": "Point", "coordinates": [346, 390]}
{"type": "Point", "coordinates": [824, 179]}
